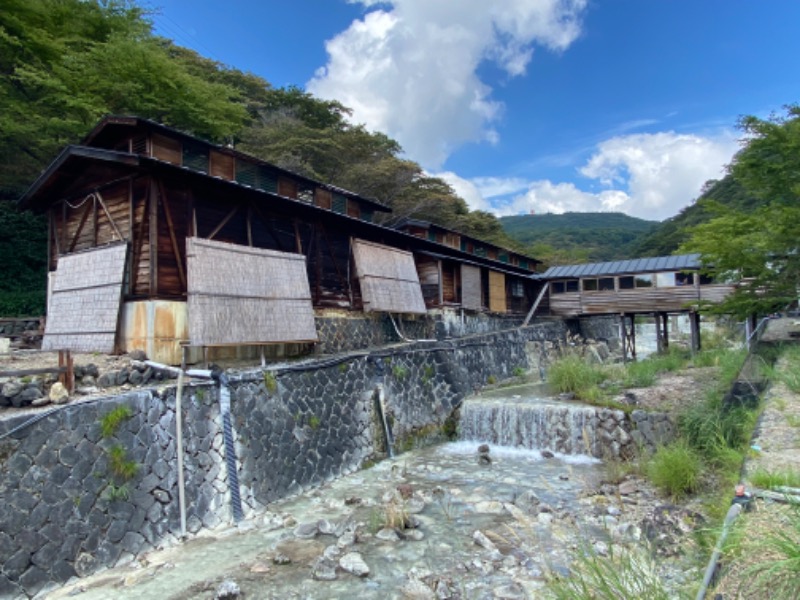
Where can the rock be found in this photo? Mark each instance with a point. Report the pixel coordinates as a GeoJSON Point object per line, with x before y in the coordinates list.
{"type": "Point", "coordinates": [491, 507]}
{"type": "Point", "coordinates": [107, 379]}
{"type": "Point", "coordinates": [324, 570]}
{"type": "Point", "coordinates": [354, 564]}
{"type": "Point", "coordinates": [347, 539]}
{"type": "Point", "coordinates": [527, 501]}
{"type": "Point", "coordinates": [627, 487]}
{"type": "Point", "coordinates": [12, 388]}
{"type": "Point", "coordinates": [26, 396]}
{"type": "Point", "coordinates": [138, 355]}
{"type": "Point", "coordinates": [613, 511]}
{"type": "Point", "coordinates": [415, 505]}
{"type": "Point", "coordinates": [483, 449]}
{"type": "Point", "coordinates": [600, 548]}
{"type": "Point", "coordinates": [405, 490]}
{"type": "Point", "coordinates": [387, 535]}
{"type": "Point", "coordinates": [563, 477]}
{"type": "Point", "coordinates": [544, 518]}
{"type": "Point", "coordinates": [43, 401]}
{"type": "Point", "coordinates": [415, 535]}
{"type": "Point", "coordinates": [547, 454]}
{"type": "Point", "coordinates": [227, 590]}
{"type": "Point", "coordinates": [325, 527]}
{"type": "Point", "coordinates": [512, 591]}
{"type": "Point", "coordinates": [306, 531]}
{"type": "Point", "coordinates": [58, 393]}
{"type": "Point", "coordinates": [414, 589]}
{"type": "Point", "coordinates": [331, 552]}
{"type": "Point", "coordinates": [484, 542]}
{"type": "Point", "coordinates": [484, 459]}
{"type": "Point", "coordinates": [281, 559]}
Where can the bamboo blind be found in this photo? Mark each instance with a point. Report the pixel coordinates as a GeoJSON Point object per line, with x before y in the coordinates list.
{"type": "Point", "coordinates": [243, 295]}
{"type": "Point", "coordinates": [471, 287]}
{"type": "Point", "coordinates": [497, 292]}
{"type": "Point", "coordinates": [84, 304]}
{"type": "Point", "coordinates": [388, 278]}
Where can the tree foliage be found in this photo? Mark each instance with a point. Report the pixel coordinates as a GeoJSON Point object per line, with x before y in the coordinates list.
{"type": "Point", "coordinates": [761, 243]}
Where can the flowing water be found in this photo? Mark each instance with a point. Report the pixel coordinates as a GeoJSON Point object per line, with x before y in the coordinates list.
{"type": "Point", "coordinates": [533, 509]}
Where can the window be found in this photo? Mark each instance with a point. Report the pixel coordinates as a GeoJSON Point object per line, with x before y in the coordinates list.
{"type": "Point", "coordinates": [665, 279]}
{"type": "Point", "coordinates": [606, 284]}
{"type": "Point", "coordinates": [626, 283]}
{"type": "Point", "coordinates": [589, 285]}
{"type": "Point", "coordinates": [367, 214]}
{"type": "Point", "coordinates": [503, 257]}
{"type": "Point", "coordinates": [195, 156]}
{"type": "Point", "coordinates": [339, 203]}
{"type": "Point", "coordinates": [706, 280]}
{"type": "Point", "coordinates": [644, 281]}
{"type": "Point", "coordinates": [517, 289]}
{"type": "Point", "coordinates": [572, 285]}
{"type": "Point", "coordinates": [557, 287]}
{"type": "Point", "coordinates": [684, 278]}
{"type": "Point", "coordinates": [431, 235]}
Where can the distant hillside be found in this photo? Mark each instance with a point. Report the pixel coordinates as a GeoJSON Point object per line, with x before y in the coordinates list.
{"type": "Point", "coordinates": [669, 235]}
{"type": "Point", "coordinates": [578, 237]}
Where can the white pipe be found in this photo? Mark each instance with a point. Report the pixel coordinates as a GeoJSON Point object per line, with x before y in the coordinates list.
{"type": "Point", "coordinates": [179, 442]}
{"type": "Point", "coordinates": [733, 512]}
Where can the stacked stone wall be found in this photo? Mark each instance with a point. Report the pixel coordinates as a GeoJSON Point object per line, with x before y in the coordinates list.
{"type": "Point", "coordinates": [66, 513]}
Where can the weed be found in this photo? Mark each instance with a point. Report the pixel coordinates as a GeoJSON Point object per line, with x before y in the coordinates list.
{"type": "Point", "coordinates": [117, 492]}
{"type": "Point", "coordinates": [623, 573]}
{"type": "Point", "coordinates": [270, 382]}
{"type": "Point", "coordinates": [110, 422]}
{"type": "Point", "coordinates": [518, 372]}
{"type": "Point", "coordinates": [675, 469]}
{"type": "Point", "coordinates": [119, 464]}
{"type": "Point", "coordinates": [399, 371]}
{"type": "Point", "coordinates": [771, 479]}
{"type": "Point", "coordinates": [491, 380]}
{"type": "Point", "coordinates": [793, 420]}
{"type": "Point", "coordinates": [314, 422]}
{"type": "Point", "coordinates": [343, 367]}
{"type": "Point", "coordinates": [200, 394]}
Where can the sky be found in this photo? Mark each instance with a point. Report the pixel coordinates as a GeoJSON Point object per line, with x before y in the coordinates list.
{"type": "Point", "coordinates": [526, 106]}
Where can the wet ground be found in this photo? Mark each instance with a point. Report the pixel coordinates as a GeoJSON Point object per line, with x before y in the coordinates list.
{"type": "Point", "coordinates": [528, 508]}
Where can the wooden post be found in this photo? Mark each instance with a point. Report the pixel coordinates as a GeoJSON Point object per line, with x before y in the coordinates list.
{"type": "Point", "coordinates": [694, 326]}
{"type": "Point", "coordinates": [633, 336]}
{"type": "Point", "coordinates": [665, 320]}
{"type": "Point", "coordinates": [623, 338]}
{"type": "Point", "coordinates": [659, 333]}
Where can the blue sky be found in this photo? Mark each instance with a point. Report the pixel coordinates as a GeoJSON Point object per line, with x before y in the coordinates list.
{"type": "Point", "coordinates": [527, 105]}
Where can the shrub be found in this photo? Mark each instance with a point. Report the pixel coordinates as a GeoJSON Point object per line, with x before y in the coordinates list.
{"type": "Point", "coordinates": [675, 469]}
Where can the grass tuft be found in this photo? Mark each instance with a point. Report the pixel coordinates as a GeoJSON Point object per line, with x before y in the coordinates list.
{"type": "Point", "coordinates": [675, 469]}
{"type": "Point", "coordinates": [768, 480]}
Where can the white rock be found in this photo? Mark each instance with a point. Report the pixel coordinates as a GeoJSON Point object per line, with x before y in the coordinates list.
{"type": "Point", "coordinates": [58, 393]}
{"type": "Point", "coordinates": [414, 589]}
{"type": "Point", "coordinates": [353, 563]}
{"type": "Point", "coordinates": [387, 535]}
{"type": "Point", "coordinates": [484, 542]}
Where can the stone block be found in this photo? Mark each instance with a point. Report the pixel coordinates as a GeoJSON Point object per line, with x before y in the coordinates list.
{"type": "Point", "coordinates": [17, 564]}
{"type": "Point", "coordinates": [33, 580]}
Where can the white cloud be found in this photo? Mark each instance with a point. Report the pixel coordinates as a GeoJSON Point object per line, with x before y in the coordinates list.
{"type": "Point", "coordinates": [408, 68]}
{"type": "Point", "coordinates": [651, 176]}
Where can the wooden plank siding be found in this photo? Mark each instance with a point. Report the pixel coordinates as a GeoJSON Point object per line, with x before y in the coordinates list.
{"type": "Point", "coordinates": [642, 300]}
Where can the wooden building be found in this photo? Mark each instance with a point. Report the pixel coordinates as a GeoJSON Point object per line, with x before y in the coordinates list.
{"type": "Point", "coordinates": [643, 285]}
{"type": "Point", "coordinates": [199, 243]}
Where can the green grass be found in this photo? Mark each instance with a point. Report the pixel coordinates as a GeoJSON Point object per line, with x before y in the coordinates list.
{"type": "Point", "coordinates": [110, 422]}
{"type": "Point", "coordinates": [777, 572]}
{"type": "Point", "coordinates": [643, 373]}
{"type": "Point", "coordinates": [771, 479]}
{"type": "Point", "coordinates": [120, 465]}
{"type": "Point", "coordinates": [675, 469]}
{"type": "Point", "coordinates": [573, 374]}
{"type": "Point", "coordinates": [623, 573]}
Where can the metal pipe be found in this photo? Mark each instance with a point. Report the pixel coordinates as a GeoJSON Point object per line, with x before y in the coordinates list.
{"type": "Point", "coordinates": [733, 512]}
{"type": "Point", "coordinates": [179, 443]}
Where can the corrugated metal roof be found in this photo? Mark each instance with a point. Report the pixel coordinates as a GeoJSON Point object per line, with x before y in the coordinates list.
{"type": "Point", "coordinates": [619, 267]}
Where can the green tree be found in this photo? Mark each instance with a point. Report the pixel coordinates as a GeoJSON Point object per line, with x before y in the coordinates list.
{"type": "Point", "coordinates": [759, 244]}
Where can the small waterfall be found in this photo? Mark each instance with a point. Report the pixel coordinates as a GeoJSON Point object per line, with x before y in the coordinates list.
{"type": "Point", "coordinates": [533, 423]}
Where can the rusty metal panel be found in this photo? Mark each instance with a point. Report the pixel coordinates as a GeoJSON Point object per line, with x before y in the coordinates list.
{"type": "Point", "coordinates": [243, 295]}
{"type": "Point", "coordinates": [471, 288]}
{"type": "Point", "coordinates": [83, 309]}
{"type": "Point", "coordinates": [388, 277]}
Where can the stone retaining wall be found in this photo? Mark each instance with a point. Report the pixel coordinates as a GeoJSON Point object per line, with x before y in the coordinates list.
{"type": "Point", "coordinates": [66, 513]}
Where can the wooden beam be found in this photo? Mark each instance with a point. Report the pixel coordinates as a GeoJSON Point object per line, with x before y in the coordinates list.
{"type": "Point", "coordinates": [78, 231]}
{"type": "Point", "coordinates": [108, 215]}
{"type": "Point", "coordinates": [173, 239]}
{"type": "Point", "coordinates": [298, 242]}
{"type": "Point", "coordinates": [94, 220]}
{"type": "Point", "coordinates": [441, 282]}
{"type": "Point", "coordinates": [224, 222]}
{"type": "Point", "coordinates": [250, 224]}
{"type": "Point", "coordinates": [137, 249]}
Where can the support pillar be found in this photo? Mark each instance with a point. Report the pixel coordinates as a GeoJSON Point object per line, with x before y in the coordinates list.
{"type": "Point", "coordinates": [694, 325]}
{"type": "Point", "coordinates": [627, 335]}
{"type": "Point", "coordinates": [662, 332]}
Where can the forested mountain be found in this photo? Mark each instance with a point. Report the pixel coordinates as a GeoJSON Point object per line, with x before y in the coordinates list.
{"type": "Point", "coordinates": [66, 63]}
{"type": "Point", "coordinates": [673, 232]}
{"type": "Point", "coordinates": [578, 237]}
